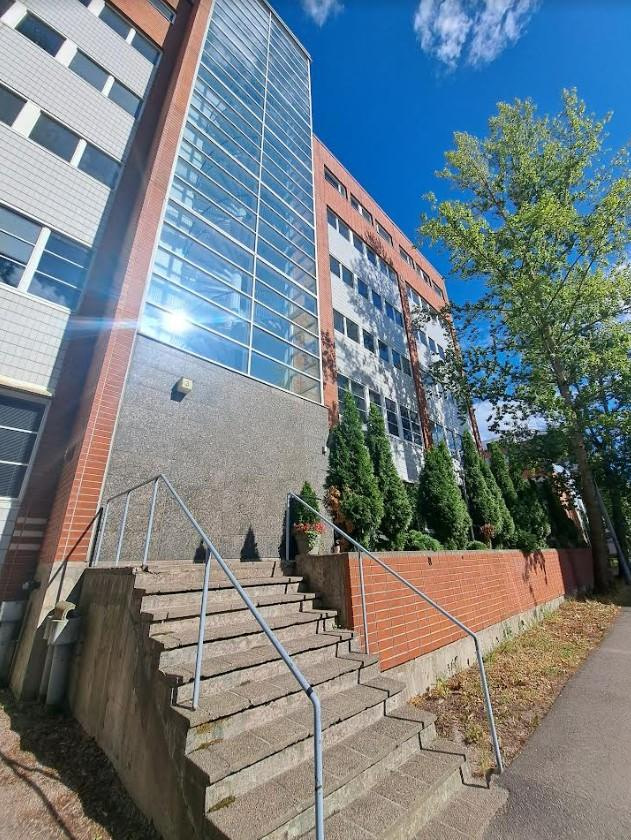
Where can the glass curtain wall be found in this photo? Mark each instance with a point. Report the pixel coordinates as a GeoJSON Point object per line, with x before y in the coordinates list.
{"type": "Point", "coordinates": [234, 278]}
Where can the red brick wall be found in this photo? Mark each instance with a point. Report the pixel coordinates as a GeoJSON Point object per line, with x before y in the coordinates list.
{"type": "Point", "coordinates": [478, 588]}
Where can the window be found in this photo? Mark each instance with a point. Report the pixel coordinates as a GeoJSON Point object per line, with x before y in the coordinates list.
{"type": "Point", "coordinates": [357, 205]}
{"type": "Point", "coordinates": [96, 76]}
{"type": "Point", "coordinates": [61, 271]}
{"type": "Point", "coordinates": [384, 352]}
{"type": "Point", "coordinates": [123, 28]}
{"type": "Point", "coordinates": [165, 10]}
{"type": "Point", "coordinates": [17, 237]}
{"type": "Point", "coordinates": [383, 233]}
{"type": "Point", "coordinates": [10, 105]}
{"type": "Point", "coordinates": [331, 217]}
{"type": "Point", "coordinates": [362, 288]}
{"type": "Point", "coordinates": [432, 345]}
{"type": "Point", "coordinates": [358, 242]}
{"type": "Point", "coordinates": [145, 47]}
{"type": "Point", "coordinates": [20, 420]}
{"type": "Point", "coordinates": [391, 417]}
{"type": "Point", "coordinates": [396, 359]}
{"type": "Point", "coordinates": [426, 278]}
{"type": "Point", "coordinates": [438, 290]}
{"type": "Point", "coordinates": [406, 424]}
{"type": "Point", "coordinates": [55, 137]}
{"type": "Point", "coordinates": [407, 367]}
{"type": "Point", "coordinates": [406, 257]}
{"type": "Point", "coordinates": [390, 310]}
{"type": "Point", "coordinates": [338, 321]}
{"type": "Point", "coordinates": [335, 266]}
{"type": "Point", "coordinates": [40, 33]}
{"type": "Point", "coordinates": [422, 336]}
{"type": "Point", "coordinates": [342, 387]}
{"type": "Point", "coordinates": [125, 98]}
{"type": "Point", "coordinates": [441, 351]}
{"type": "Point", "coordinates": [352, 330]}
{"type": "Point", "coordinates": [417, 432]}
{"type": "Point", "coordinates": [347, 277]}
{"type": "Point", "coordinates": [89, 70]}
{"type": "Point", "coordinates": [96, 163]}
{"type": "Point", "coordinates": [376, 299]}
{"type": "Point", "coordinates": [359, 395]}
{"type": "Point", "coordinates": [343, 229]}
{"type": "Point", "coordinates": [375, 398]}
{"type": "Point", "coordinates": [370, 254]}
{"type": "Point", "coordinates": [333, 181]}
{"type": "Point", "coordinates": [369, 341]}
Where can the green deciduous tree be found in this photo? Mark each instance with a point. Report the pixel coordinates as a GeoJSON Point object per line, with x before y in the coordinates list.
{"type": "Point", "coordinates": [544, 220]}
{"type": "Point", "coordinates": [397, 511]}
{"type": "Point", "coordinates": [353, 495]}
{"type": "Point", "coordinates": [483, 506]}
{"type": "Point", "coordinates": [440, 504]}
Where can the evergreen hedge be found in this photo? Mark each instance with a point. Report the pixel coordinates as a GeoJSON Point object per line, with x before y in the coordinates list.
{"type": "Point", "coordinates": [353, 497]}
{"type": "Point", "coordinates": [397, 511]}
{"type": "Point", "coordinates": [440, 505]}
{"type": "Point", "coordinates": [483, 505]}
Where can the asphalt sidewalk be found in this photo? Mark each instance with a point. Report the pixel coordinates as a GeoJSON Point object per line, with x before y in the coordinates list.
{"type": "Point", "coordinates": [573, 777]}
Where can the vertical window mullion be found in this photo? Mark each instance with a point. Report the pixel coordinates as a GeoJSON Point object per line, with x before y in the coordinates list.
{"type": "Point", "coordinates": [33, 262]}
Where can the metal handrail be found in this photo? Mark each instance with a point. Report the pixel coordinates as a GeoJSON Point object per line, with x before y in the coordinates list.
{"type": "Point", "coordinates": [361, 551]}
{"type": "Point", "coordinates": [211, 551]}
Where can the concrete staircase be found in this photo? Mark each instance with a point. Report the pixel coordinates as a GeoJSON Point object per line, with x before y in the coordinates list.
{"type": "Point", "coordinates": [247, 752]}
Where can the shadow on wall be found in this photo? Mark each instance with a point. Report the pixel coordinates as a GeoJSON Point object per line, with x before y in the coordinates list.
{"type": "Point", "coordinates": [250, 550]}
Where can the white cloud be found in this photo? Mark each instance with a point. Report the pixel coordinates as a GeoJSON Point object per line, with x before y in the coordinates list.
{"type": "Point", "coordinates": [321, 10]}
{"type": "Point", "coordinates": [485, 413]}
{"type": "Point", "coordinates": [473, 31]}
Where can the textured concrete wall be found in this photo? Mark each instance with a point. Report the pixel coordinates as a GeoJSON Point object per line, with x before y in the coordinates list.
{"type": "Point", "coordinates": [480, 588]}
{"type": "Point", "coordinates": [233, 448]}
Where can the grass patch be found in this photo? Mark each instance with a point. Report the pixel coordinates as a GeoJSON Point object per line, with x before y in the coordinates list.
{"type": "Point", "coordinates": [525, 675]}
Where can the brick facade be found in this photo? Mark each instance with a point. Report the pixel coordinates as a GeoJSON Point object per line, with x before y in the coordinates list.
{"type": "Point", "coordinates": [479, 588]}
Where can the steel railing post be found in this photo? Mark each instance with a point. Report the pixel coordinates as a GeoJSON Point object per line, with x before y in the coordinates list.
{"type": "Point", "coordinates": [489, 707]}
{"type": "Point", "coordinates": [287, 527]}
{"type": "Point", "coordinates": [152, 507]}
{"type": "Point", "coordinates": [122, 529]}
{"type": "Point", "coordinates": [317, 767]}
{"type": "Point", "coordinates": [202, 628]}
{"type": "Point", "coordinates": [102, 524]}
{"type": "Point", "coordinates": [362, 590]}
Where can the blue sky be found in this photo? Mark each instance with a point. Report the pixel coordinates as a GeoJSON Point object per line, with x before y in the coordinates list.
{"type": "Point", "coordinates": [387, 105]}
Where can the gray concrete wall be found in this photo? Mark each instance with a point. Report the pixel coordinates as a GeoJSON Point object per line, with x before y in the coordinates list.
{"type": "Point", "coordinates": [233, 448]}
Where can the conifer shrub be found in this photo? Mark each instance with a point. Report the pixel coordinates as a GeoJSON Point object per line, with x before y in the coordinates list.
{"type": "Point", "coordinates": [353, 496]}
{"type": "Point", "coordinates": [476, 545]}
{"type": "Point", "coordinates": [305, 522]}
{"type": "Point", "coordinates": [483, 505]}
{"type": "Point", "coordinates": [440, 506]}
{"type": "Point", "coordinates": [506, 527]}
{"type": "Point", "coordinates": [419, 541]}
{"type": "Point", "coordinates": [397, 511]}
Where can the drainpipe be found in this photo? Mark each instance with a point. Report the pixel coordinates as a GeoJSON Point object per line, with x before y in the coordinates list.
{"type": "Point", "coordinates": [60, 633]}
{"type": "Point", "coordinates": [11, 615]}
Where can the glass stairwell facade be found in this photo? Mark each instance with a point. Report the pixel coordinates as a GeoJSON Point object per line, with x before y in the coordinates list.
{"type": "Point", "coordinates": [234, 277]}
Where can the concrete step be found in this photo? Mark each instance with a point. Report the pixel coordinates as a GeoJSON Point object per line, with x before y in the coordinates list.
{"type": "Point", "coordinates": [230, 768]}
{"type": "Point", "coordinates": [403, 800]}
{"type": "Point", "coordinates": [190, 578]}
{"type": "Point", "coordinates": [221, 673]}
{"type": "Point", "coordinates": [218, 592]}
{"type": "Point", "coordinates": [163, 618]}
{"type": "Point", "coordinates": [467, 815]}
{"type": "Point", "coordinates": [225, 715]}
{"type": "Point", "coordinates": [181, 645]}
{"type": "Point", "coordinates": [283, 807]}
